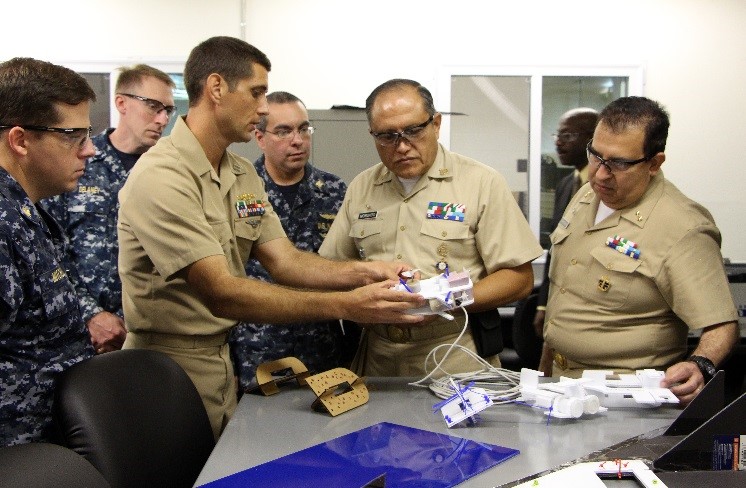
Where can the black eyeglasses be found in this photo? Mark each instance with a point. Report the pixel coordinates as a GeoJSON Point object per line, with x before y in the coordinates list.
{"type": "Point", "coordinates": [566, 136]}
{"type": "Point", "coordinates": [410, 134]}
{"type": "Point", "coordinates": [154, 106]}
{"type": "Point", "coordinates": [612, 165]}
{"type": "Point", "coordinates": [286, 133]}
{"type": "Point", "coordinates": [76, 135]}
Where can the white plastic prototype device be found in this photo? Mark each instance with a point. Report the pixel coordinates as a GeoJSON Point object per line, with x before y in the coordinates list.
{"type": "Point", "coordinates": [564, 399]}
{"type": "Point", "coordinates": [465, 404]}
{"type": "Point", "coordinates": [591, 474]}
{"type": "Point", "coordinates": [443, 292]}
{"type": "Point", "coordinates": [641, 389]}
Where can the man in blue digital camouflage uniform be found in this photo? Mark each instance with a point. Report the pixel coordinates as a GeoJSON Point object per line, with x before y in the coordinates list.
{"type": "Point", "coordinates": [306, 199]}
{"type": "Point", "coordinates": [44, 142]}
{"type": "Point", "coordinates": [144, 100]}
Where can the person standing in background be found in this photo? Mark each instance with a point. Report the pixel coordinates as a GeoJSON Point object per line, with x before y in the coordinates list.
{"type": "Point", "coordinates": [144, 99]}
{"type": "Point", "coordinates": [574, 131]}
{"type": "Point", "coordinates": [306, 199]}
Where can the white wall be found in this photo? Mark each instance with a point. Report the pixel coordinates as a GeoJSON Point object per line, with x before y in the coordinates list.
{"type": "Point", "coordinates": [335, 51]}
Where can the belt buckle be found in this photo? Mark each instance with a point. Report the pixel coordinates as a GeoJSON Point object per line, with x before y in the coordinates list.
{"type": "Point", "coordinates": [560, 360]}
{"type": "Point", "coordinates": [397, 334]}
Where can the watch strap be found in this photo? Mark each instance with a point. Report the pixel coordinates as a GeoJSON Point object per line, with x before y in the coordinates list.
{"type": "Point", "coordinates": [706, 367]}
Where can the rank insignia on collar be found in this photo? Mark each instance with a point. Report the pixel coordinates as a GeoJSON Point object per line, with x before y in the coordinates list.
{"type": "Point", "coordinates": [319, 184]}
{"type": "Point", "coordinates": [249, 208]}
{"type": "Point", "coordinates": [26, 211]}
{"type": "Point", "coordinates": [443, 171]}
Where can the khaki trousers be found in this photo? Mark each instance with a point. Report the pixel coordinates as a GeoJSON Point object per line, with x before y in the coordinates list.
{"type": "Point", "coordinates": [206, 359]}
{"type": "Point", "coordinates": [389, 350]}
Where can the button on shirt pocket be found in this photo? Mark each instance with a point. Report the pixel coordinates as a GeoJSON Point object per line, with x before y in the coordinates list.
{"type": "Point", "coordinates": [450, 241]}
{"type": "Point", "coordinates": [367, 236]}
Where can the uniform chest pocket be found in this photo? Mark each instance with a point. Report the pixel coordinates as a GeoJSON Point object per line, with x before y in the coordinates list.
{"type": "Point", "coordinates": [368, 237]}
{"type": "Point", "coordinates": [445, 230]}
{"type": "Point", "coordinates": [57, 293]}
{"type": "Point", "coordinates": [248, 228]}
{"type": "Point", "coordinates": [611, 277]}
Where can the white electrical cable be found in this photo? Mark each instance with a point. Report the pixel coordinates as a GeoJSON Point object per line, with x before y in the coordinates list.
{"type": "Point", "coordinates": [500, 384]}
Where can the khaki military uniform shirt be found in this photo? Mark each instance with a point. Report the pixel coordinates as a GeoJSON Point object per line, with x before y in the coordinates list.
{"type": "Point", "coordinates": [610, 310]}
{"type": "Point", "coordinates": [378, 222]}
{"type": "Point", "coordinates": [176, 210]}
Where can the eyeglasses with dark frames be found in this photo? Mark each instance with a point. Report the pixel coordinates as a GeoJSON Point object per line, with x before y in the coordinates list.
{"type": "Point", "coordinates": [612, 165]}
{"type": "Point", "coordinates": [410, 134]}
{"type": "Point", "coordinates": [566, 136]}
{"type": "Point", "coordinates": [286, 133]}
{"type": "Point", "coordinates": [76, 135]}
{"type": "Point", "coordinates": [154, 106]}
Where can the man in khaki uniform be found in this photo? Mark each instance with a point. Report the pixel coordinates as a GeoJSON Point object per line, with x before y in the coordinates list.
{"type": "Point", "coordinates": [636, 264]}
{"type": "Point", "coordinates": [191, 215]}
{"type": "Point", "coordinates": [388, 214]}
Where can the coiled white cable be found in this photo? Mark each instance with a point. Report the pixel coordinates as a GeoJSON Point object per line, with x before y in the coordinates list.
{"type": "Point", "coordinates": [500, 384]}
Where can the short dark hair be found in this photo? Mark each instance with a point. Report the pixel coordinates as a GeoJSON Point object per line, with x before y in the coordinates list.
{"type": "Point", "coordinates": [229, 57]}
{"type": "Point", "coordinates": [30, 90]}
{"type": "Point", "coordinates": [396, 83]}
{"type": "Point", "coordinates": [627, 112]}
{"type": "Point", "coordinates": [130, 76]}
{"type": "Point", "coordinates": [278, 97]}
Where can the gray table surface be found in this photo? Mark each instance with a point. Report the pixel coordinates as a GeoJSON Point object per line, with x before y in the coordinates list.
{"type": "Point", "coordinates": [266, 428]}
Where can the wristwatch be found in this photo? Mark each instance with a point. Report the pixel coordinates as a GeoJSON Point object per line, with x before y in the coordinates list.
{"type": "Point", "coordinates": [706, 367]}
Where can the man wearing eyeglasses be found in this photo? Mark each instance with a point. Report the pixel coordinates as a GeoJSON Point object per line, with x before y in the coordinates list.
{"type": "Point", "coordinates": [144, 100]}
{"type": "Point", "coordinates": [44, 143]}
{"type": "Point", "coordinates": [306, 199]}
{"type": "Point", "coordinates": [392, 211]}
{"type": "Point", "coordinates": [636, 265]}
{"type": "Point", "coordinates": [575, 130]}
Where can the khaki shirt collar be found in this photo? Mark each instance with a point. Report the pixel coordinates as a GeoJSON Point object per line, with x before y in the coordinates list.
{"type": "Point", "coordinates": [636, 213]}
{"type": "Point", "coordinates": [230, 166]}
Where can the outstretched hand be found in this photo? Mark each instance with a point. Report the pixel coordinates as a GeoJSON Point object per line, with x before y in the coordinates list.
{"type": "Point", "coordinates": [379, 303]}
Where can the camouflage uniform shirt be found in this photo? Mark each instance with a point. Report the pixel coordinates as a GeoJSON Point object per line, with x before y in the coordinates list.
{"type": "Point", "coordinates": [306, 221]}
{"type": "Point", "coordinates": [41, 332]}
{"type": "Point", "coordinates": [89, 217]}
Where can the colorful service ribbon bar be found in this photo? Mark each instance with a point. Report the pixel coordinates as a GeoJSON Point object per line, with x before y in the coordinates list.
{"type": "Point", "coordinates": [624, 246]}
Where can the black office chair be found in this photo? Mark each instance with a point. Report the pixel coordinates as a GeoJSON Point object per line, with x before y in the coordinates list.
{"type": "Point", "coordinates": [41, 465]}
{"type": "Point", "coordinates": [136, 416]}
{"type": "Point", "coordinates": [527, 345]}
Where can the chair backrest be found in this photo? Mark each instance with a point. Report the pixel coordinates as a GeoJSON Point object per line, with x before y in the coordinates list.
{"type": "Point", "coordinates": [136, 416]}
{"type": "Point", "coordinates": [525, 342]}
{"type": "Point", "coordinates": [44, 465]}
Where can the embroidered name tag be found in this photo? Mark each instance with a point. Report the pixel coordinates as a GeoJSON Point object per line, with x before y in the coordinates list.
{"type": "Point", "coordinates": [367, 215]}
{"type": "Point", "coordinates": [446, 211]}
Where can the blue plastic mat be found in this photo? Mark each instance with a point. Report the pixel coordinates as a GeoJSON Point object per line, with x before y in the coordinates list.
{"type": "Point", "coordinates": [408, 457]}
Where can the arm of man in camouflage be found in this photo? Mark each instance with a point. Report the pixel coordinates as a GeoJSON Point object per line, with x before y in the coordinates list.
{"type": "Point", "coordinates": [106, 329]}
